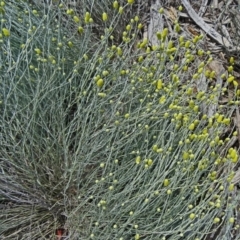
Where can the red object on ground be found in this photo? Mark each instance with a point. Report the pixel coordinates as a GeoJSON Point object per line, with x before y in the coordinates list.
{"type": "Point", "coordinates": [59, 233]}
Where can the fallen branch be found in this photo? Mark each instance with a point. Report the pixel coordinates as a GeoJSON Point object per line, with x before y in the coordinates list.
{"type": "Point", "coordinates": [203, 8]}
{"type": "Point", "coordinates": [156, 23]}
{"type": "Point", "coordinates": [206, 28]}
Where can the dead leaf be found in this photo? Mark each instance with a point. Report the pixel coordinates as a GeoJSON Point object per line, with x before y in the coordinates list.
{"type": "Point", "coordinates": [172, 14]}
{"type": "Point", "coordinates": [216, 66]}
{"type": "Point", "coordinates": [193, 30]}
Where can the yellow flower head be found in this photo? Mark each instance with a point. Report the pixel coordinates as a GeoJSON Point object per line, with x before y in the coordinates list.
{"type": "Point", "coordinates": [115, 5]}
{"type": "Point", "coordinates": [104, 17]}
{"type": "Point", "coordinates": [100, 83]}
{"type": "Point", "coordinates": [130, 1]}
{"type": "Point", "coordinates": [6, 32]}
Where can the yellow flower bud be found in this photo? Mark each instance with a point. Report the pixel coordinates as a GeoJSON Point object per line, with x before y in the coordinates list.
{"type": "Point", "coordinates": [127, 115]}
{"type": "Point", "coordinates": [216, 220]}
{"type": "Point", "coordinates": [230, 79]}
{"type": "Point", "coordinates": [161, 10]}
{"type": "Point", "coordinates": [200, 52]}
{"type": "Point", "coordinates": [230, 68]}
{"type": "Point", "coordinates": [150, 162]}
{"type": "Point", "coordinates": [233, 155]}
{"type": "Point", "coordinates": [70, 12]}
{"type": "Point", "coordinates": [200, 70]}
{"type": "Point", "coordinates": [102, 94]}
{"type": "Point", "coordinates": [120, 10]}
{"type": "Point", "coordinates": [87, 17]}
{"type": "Point", "coordinates": [164, 33]}
{"type": "Point", "coordinates": [119, 51]}
{"type": "Point", "coordinates": [166, 182]}
{"type": "Point", "coordinates": [155, 148]}
{"type": "Point", "coordinates": [231, 187]}
{"type": "Point", "coordinates": [159, 84]}
{"type": "Point", "coordinates": [104, 17]}
{"type": "Point", "coordinates": [181, 39]}
{"type": "Point", "coordinates": [185, 155]}
{"type": "Point", "coordinates": [187, 44]}
{"type": "Point", "coordinates": [38, 51]}
{"type": "Point", "coordinates": [80, 30]}
{"type": "Point", "coordinates": [177, 28]}
{"type": "Point", "coordinates": [192, 216]}
{"type": "Point", "coordinates": [140, 59]}
{"type": "Point", "coordinates": [136, 18]}
{"type": "Point", "coordinates": [138, 159]}
{"type": "Point", "coordinates": [231, 60]}
{"type": "Point", "coordinates": [235, 83]}
{"type": "Point", "coordinates": [140, 26]}
{"type": "Point", "coordinates": [35, 12]}
{"type": "Point", "coordinates": [115, 5]}
{"type": "Point", "coordinates": [76, 19]}
{"type": "Point", "coordinates": [128, 27]}
{"type": "Point", "coordinates": [195, 39]}
{"type": "Point", "coordinates": [191, 126]}
{"type": "Point", "coordinates": [70, 44]}
{"type": "Point", "coordinates": [100, 83]}
{"type": "Point", "coordinates": [6, 32]}
{"type": "Point", "coordinates": [137, 236]}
